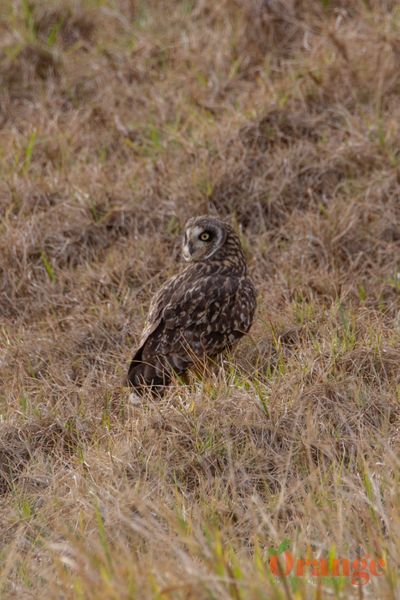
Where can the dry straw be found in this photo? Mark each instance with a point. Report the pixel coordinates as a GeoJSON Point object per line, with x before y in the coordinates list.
{"type": "Point", "coordinates": [119, 120]}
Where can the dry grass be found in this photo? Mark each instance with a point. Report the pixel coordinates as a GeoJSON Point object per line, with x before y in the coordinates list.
{"type": "Point", "coordinates": [119, 119]}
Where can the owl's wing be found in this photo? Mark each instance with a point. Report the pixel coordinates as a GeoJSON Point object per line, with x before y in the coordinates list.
{"type": "Point", "coordinates": [190, 318]}
{"type": "Point", "coordinates": [148, 370]}
{"type": "Point", "coordinates": [158, 303]}
{"type": "Point", "coordinates": [179, 305]}
{"type": "Point", "coordinates": [212, 314]}
{"type": "Point", "coordinates": [201, 303]}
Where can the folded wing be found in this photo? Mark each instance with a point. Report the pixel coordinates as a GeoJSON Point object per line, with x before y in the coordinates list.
{"type": "Point", "coordinates": [189, 320]}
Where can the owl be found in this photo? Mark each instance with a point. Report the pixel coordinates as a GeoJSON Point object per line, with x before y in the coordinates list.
{"type": "Point", "coordinates": [198, 313]}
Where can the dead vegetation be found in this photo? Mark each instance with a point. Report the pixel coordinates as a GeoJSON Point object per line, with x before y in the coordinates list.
{"type": "Point", "coordinates": [120, 119]}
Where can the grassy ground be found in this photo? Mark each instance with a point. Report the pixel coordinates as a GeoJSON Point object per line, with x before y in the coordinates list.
{"type": "Point", "coordinates": [120, 119]}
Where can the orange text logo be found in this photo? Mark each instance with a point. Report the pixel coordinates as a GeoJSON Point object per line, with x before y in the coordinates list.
{"type": "Point", "coordinates": [360, 570]}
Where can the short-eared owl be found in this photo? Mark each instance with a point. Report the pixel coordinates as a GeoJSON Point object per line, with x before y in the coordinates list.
{"type": "Point", "coordinates": [201, 311]}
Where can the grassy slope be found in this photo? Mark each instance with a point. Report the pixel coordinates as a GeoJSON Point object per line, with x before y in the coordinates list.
{"type": "Point", "coordinates": [119, 119]}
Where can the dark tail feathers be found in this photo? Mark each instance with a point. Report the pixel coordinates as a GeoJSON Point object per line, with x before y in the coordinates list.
{"type": "Point", "coordinates": [151, 376]}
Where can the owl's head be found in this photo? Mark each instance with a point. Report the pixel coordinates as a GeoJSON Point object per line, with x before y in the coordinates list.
{"type": "Point", "coordinates": [203, 237]}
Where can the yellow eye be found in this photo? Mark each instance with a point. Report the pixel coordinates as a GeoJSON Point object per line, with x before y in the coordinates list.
{"type": "Point", "coordinates": [204, 236]}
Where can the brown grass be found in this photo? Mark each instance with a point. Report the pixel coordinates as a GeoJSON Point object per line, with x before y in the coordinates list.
{"type": "Point", "coordinates": [119, 119]}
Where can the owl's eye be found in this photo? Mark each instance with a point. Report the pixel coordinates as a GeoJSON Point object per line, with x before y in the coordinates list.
{"type": "Point", "coordinates": [205, 236]}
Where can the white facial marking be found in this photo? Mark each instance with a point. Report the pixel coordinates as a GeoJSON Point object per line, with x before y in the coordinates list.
{"type": "Point", "coordinates": [196, 231]}
{"type": "Point", "coordinates": [185, 246]}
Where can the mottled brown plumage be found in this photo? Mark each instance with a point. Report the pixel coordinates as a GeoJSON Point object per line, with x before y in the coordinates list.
{"type": "Point", "coordinates": [198, 313]}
